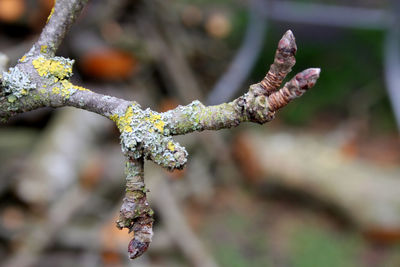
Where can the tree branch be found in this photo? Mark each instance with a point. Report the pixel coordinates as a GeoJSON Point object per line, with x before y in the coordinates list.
{"type": "Point", "coordinates": [41, 79]}
{"type": "Point", "coordinates": [135, 213]}
{"type": "Point", "coordinates": [62, 16]}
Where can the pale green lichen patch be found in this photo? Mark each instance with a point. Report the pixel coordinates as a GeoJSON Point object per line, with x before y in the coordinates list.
{"type": "Point", "coordinates": [58, 67]}
{"type": "Point", "coordinates": [66, 89]}
{"type": "Point", "coordinates": [143, 134]}
{"type": "Point", "coordinates": [191, 117]}
{"type": "Point", "coordinates": [16, 84]}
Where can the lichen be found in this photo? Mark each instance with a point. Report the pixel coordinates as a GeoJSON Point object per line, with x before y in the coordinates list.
{"type": "Point", "coordinates": [57, 70]}
{"type": "Point", "coordinates": [193, 116]}
{"type": "Point", "coordinates": [155, 119]}
{"type": "Point", "coordinates": [43, 49]}
{"type": "Point", "coordinates": [171, 146]}
{"type": "Point", "coordinates": [142, 134]}
{"type": "Point", "coordinates": [52, 11]}
{"type": "Point", "coordinates": [67, 89]}
{"type": "Point", "coordinates": [22, 59]}
{"type": "Point", "coordinates": [55, 90]}
{"type": "Point", "coordinates": [16, 84]}
{"type": "Point", "coordinates": [58, 67]}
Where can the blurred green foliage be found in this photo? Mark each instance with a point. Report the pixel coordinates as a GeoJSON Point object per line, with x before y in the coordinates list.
{"type": "Point", "coordinates": [351, 82]}
{"type": "Point", "coordinates": [314, 247]}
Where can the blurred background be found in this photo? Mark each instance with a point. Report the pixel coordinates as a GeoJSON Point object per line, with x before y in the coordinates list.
{"type": "Point", "coordinates": [318, 186]}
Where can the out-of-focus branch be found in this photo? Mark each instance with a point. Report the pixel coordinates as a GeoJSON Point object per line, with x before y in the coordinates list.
{"type": "Point", "coordinates": [53, 162]}
{"type": "Point", "coordinates": [240, 67]}
{"type": "Point", "coordinates": [392, 62]}
{"type": "Point", "coordinates": [329, 15]}
{"type": "Point", "coordinates": [41, 235]}
{"type": "Point", "coordinates": [368, 194]}
{"type": "Point", "coordinates": [175, 222]}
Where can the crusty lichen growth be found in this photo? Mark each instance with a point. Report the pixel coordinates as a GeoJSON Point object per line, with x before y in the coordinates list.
{"type": "Point", "coordinates": [16, 84]}
{"type": "Point", "coordinates": [58, 67]}
{"type": "Point", "coordinates": [57, 71]}
{"type": "Point", "coordinates": [143, 134]}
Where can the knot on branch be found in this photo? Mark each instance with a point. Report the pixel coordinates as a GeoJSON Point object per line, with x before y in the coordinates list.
{"type": "Point", "coordinates": [143, 134]}
{"type": "Point", "coordinates": [256, 106]}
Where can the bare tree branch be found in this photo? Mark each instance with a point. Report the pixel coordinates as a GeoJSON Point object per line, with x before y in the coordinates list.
{"type": "Point", "coordinates": [41, 79]}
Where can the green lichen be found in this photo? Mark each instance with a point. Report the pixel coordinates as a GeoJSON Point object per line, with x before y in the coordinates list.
{"type": "Point", "coordinates": [16, 84]}
{"type": "Point", "coordinates": [143, 133]}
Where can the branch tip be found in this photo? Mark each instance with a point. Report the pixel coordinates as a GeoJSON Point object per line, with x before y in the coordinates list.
{"type": "Point", "coordinates": [287, 44]}
{"type": "Point", "coordinates": [283, 63]}
{"type": "Point", "coordinates": [308, 78]}
{"type": "Point", "coordinates": [295, 88]}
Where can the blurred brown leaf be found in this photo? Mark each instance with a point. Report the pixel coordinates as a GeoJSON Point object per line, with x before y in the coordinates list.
{"type": "Point", "coordinates": [108, 64]}
{"type": "Point", "coordinates": [11, 10]}
{"type": "Point", "coordinates": [384, 236]}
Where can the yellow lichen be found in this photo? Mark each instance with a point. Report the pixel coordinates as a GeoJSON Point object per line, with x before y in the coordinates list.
{"type": "Point", "coordinates": [171, 146]}
{"type": "Point", "coordinates": [66, 84]}
{"type": "Point", "coordinates": [55, 90]}
{"type": "Point", "coordinates": [22, 59]}
{"type": "Point", "coordinates": [123, 122]}
{"type": "Point", "coordinates": [43, 49]}
{"type": "Point", "coordinates": [80, 88]}
{"type": "Point", "coordinates": [46, 67]}
{"type": "Point", "coordinates": [51, 13]}
{"type": "Point", "coordinates": [114, 117]}
{"type": "Point", "coordinates": [155, 119]}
